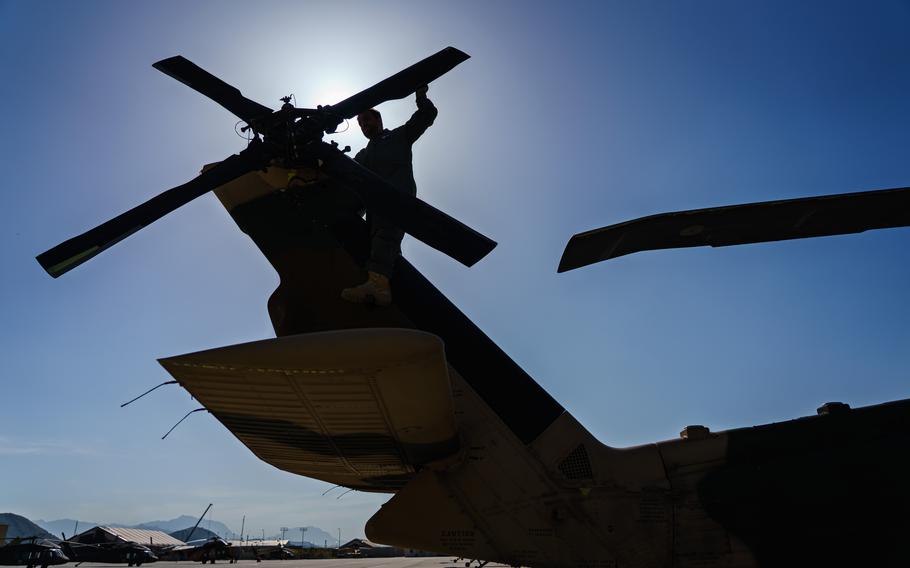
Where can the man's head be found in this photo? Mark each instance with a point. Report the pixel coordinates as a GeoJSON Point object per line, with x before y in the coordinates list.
{"type": "Point", "coordinates": [370, 122]}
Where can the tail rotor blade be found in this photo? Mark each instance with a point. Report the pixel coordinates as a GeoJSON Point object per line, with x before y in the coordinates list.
{"type": "Point", "coordinates": [414, 216]}
{"type": "Point", "coordinates": [743, 224]}
{"type": "Point", "coordinates": [73, 252]}
{"type": "Point", "coordinates": [402, 83]}
{"type": "Point", "coordinates": [202, 81]}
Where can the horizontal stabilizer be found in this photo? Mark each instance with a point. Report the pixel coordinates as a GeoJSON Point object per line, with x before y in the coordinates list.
{"type": "Point", "coordinates": [742, 224]}
{"type": "Point", "coordinates": [358, 408]}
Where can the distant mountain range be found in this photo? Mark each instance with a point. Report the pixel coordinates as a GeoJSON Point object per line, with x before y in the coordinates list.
{"type": "Point", "coordinates": [170, 526]}
{"type": "Point", "coordinates": [315, 536]}
{"type": "Point", "coordinates": [65, 526]}
{"type": "Point", "coordinates": [22, 527]}
{"type": "Point", "coordinates": [198, 534]}
{"type": "Point", "coordinates": [183, 522]}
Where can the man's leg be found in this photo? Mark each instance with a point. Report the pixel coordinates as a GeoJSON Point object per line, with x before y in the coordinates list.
{"type": "Point", "coordinates": [385, 248]}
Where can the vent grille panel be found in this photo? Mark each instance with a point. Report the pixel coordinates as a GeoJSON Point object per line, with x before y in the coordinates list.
{"type": "Point", "coordinates": [576, 465]}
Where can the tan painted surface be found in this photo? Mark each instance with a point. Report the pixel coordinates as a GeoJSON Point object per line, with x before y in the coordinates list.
{"type": "Point", "coordinates": [253, 185]}
{"type": "Point", "coordinates": [341, 406]}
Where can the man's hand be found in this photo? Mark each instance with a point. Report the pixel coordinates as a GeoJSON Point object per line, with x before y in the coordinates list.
{"type": "Point", "coordinates": [422, 92]}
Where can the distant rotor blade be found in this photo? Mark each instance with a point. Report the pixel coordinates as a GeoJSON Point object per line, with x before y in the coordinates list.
{"type": "Point", "coordinates": [202, 81]}
{"type": "Point", "coordinates": [402, 83]}
{"type": "Point", "coordinates": [73, 252]}
{"type": "Point", "coordinates": [412, 215]}
{"type": "Point", "coordinates": [199, 521]}
{"type": "Point", "coordinates": [743, 224]}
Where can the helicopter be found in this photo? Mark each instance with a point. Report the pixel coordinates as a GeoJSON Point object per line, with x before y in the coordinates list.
{"type": "Point", "coordinates": [122, 552]}
{"type": "Point", "coordinates": [415, 400]}
{"type": "Point", "coordinates": [205, 549]}
{"type": "Point", "coordinates": [30, 552]}
{"type": "Point", "coordinates": [208, 550]}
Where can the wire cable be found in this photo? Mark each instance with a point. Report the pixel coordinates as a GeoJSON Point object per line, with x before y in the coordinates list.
{"type": "Point", "coordinates": [148, 391]}
{"type": "Point", "coordinates": [181, 420]}
{"type": "Point", "coordinates": [248, 135]}
{"type": "Point", "coordinates": [329, 489]}
{"type": "Point", "coordinates": [343, 494]}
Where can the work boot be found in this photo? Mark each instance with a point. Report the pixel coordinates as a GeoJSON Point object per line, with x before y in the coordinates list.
{"type": "Point", "coordinates": [375, 290]}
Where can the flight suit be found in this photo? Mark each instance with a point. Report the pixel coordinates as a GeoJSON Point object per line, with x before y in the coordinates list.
{"type": "Point", "coordinates": [389, 155]}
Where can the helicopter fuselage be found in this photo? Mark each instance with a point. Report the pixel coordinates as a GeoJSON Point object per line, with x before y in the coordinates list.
{"type": "Point", "coordinates": [526, 484]}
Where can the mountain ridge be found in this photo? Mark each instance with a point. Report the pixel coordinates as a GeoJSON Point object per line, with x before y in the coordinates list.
{"type": "Point", "coordinates": [168, 526]}
{"type": "Point", "coordinates": [20, 526]}
{"type": "Point", "coordinates": [315, 535]}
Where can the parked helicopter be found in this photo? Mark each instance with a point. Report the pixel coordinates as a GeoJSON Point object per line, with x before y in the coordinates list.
{"type": "Point", "coordinates": [96, 546]}
{"type": "Point", "coordinates": [205, 549]}
{"type": "Point", "coordinates": [413, 399]}
{"type": "Point", "coordinates": [30, 552]}
{"type": "Point", "coordinates": [129, 553]}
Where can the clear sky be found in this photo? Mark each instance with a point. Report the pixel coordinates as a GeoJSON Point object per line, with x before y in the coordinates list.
{"type": "Point", "coordinates": [568, 116]}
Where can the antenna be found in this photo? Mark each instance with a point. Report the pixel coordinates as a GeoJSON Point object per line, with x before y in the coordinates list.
{"type": "Point", "coordinates": [148, 391]}
{"type": "Point", "coordinates": [178, 424]}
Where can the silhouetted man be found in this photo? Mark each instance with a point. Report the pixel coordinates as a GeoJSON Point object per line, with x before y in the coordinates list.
{"type": "Point", "coordinates": [388, 154]}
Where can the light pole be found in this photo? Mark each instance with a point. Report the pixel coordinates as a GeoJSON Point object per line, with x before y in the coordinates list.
{"type": "Point", "coordinates": [283, 530]}
{"type": "Point", "coordinates": [302, 536]}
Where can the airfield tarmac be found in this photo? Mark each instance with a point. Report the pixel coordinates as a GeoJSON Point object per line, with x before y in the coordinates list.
{"type": "Point", "coordinates": [431, 562]}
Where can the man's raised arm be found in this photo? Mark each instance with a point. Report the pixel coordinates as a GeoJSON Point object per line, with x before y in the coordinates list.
{"type": "Point", "coordinates": [422, 118]}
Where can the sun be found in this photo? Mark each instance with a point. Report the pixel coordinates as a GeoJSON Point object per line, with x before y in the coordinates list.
{"type": "Point", "coordinates": [329, 91]}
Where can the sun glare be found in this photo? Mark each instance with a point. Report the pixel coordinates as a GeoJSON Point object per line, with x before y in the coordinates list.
{"type": "Point", "coordinates": [329, 91]}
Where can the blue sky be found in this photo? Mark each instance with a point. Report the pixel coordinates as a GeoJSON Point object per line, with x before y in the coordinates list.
{"type": "Point", "coordinates": [568, 116]}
